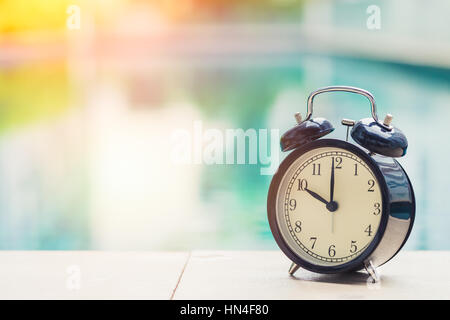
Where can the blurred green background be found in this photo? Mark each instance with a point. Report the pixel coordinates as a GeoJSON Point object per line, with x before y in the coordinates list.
{"type": "Point", "coordinates": [86, 114]}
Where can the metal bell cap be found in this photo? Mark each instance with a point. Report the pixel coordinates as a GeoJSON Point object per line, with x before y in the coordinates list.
{"type": "Point", "coordinates": [305, 132]}
{"type": "Point", "coordinates": [370, 135]}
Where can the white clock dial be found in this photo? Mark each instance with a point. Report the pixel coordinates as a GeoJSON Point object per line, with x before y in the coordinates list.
{"type": "Point", "coordinates": [329, 206]}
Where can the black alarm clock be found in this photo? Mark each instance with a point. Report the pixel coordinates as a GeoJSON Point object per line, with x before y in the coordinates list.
{"type": "Point", "coordinates": [335, 206]}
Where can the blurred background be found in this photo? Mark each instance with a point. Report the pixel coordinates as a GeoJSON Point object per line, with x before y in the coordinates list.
{"type": "Point", "coordinates": [87, 109]}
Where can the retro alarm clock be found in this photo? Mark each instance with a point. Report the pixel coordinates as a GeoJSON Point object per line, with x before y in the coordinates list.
{"type": "Point", "coordinates": [336, 206]}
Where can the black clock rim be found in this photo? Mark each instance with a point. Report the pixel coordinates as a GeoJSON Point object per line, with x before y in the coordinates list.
{"type": "Point", "coordinates": [358, 262]}
{"type": "Point", "coordinates": [412, 214]}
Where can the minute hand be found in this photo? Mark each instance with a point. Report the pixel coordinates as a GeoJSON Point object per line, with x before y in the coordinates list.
{"type": "Point", "coordinates": [315, 195]}
{"type": "Point", "coordinates": [332, 180]}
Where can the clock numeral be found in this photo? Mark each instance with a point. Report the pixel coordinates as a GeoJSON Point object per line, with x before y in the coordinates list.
{"type": "Point", "coordinates": [302, 184]}
{"type": "Point", "coordinates": [353, 246]}
{"type": "Point", "coordinates": [356, 169]}
{"type": "Point", "coordinates": [298, 226]}
{"type": "Point", "coordinates": [369, 230]}
{"type": "Point", "coordinates": [377, 209]}
{"type": "Point", "coordinates": [338, 162]}
{"type": "Point", "coordinates": [292, 204]}
{"type": "Point", "coordinates": [331, 251]}
{"type": "Point", "coordinates": [371, 184]}
{"type": "Point", "coordinates": [316, 169]}
{"type": "Point", "coordinates": [313, 239]}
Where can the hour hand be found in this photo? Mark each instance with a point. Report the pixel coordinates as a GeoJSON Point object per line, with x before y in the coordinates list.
{"type": "Point", "coordinates": [315, 195]}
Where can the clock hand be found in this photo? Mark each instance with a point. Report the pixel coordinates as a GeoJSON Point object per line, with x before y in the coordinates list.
{"type": "Point", "coordinates": [315, 195]}
{"type": "Point", "coordinates": [332, 180]}
{"type": "Point", "coordinates": [332, 223]}
{"type": "Point", "coordinates": [332, 206]}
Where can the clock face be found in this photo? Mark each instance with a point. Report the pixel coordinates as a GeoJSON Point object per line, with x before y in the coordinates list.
{"type": "Point", "coordinates": [329, 206]}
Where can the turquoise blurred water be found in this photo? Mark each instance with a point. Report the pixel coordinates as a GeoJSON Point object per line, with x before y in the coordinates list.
{"type": "Point", "coordinates": [96, 174]}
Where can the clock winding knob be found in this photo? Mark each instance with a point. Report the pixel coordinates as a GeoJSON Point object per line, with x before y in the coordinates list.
{"type": "Point", "coordinates": [387, 120]}
{"type": "Point", "coordinates": [298, 117]}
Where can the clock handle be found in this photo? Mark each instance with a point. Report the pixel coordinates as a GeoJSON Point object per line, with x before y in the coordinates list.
{"type": "Point", "coordinates": [360, 91]}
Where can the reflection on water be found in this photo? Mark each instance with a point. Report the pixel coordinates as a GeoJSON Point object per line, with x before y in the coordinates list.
{"type": "Point", "coordinates": [95, 172]}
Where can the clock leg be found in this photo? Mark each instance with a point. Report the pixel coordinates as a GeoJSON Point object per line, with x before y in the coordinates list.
{"type": "Point", "coordinates": [372, 271]}
{"type": "Point", "coordinates": [293, 268]}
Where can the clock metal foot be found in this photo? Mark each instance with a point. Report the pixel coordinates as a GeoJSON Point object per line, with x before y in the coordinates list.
{"type": "Point", "coordinates": [293, 268]}
{"type": "Point", "coordinates": [372, 271]}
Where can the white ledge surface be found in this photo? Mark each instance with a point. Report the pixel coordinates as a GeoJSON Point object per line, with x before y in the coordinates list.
{"type": "Point", "coordinates": [210, 275]}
